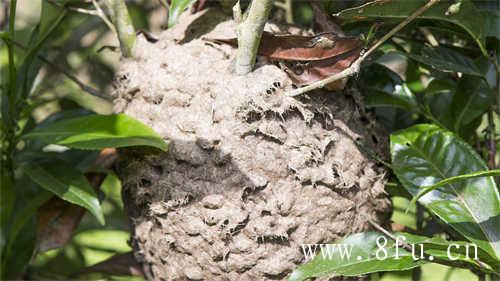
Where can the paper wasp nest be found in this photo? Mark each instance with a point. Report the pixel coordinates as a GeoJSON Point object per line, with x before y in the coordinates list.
{"type": "Point", "coordinates": [251, 173]}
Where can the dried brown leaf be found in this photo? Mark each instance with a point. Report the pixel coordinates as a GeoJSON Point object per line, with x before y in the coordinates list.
{"type": "Point", "coordinates": [301, 48]}
{"type": "Point", "coordinates": [303, 74]}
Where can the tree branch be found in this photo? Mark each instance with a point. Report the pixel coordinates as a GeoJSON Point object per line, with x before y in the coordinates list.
{"type": "Point", "coordinates": [249, 34]}
{"type": "Point", "coordinates": [355, 66]}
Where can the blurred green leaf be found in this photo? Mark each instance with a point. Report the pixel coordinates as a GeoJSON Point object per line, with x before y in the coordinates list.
{"type": "Point", "coordinates": [423, 155]}
{"type": "Point", "coordinates": [462, 13]}
{"type": "Point", "coordinates": [439, 86]}
{"type": "Point", "coordinates": [492, 19]}
{"type": "Point", "coordinates": [439, 247]}
{"type": "Point", "coordinates": [175, 10]}
{"type": "Point", "coordinates": [120, 264]}
{"type": "Point", "coordinates": [446, 60]}
{"type": "Point", "coordinates": [473, 98]}
{"type": "Point", "coordinates": [50, 18]}
{"type": "Point", "coordinates": [67, 183]}
{"type": "Point", "coordinates": [6, 205]}
{"type": "Point", "coordinates": [21, 239]}
{"type": "Point", "coordinates": [364, 245]}
{"type": "Point", "coordinates": [104, 239]}
{"type": "Point", "coordinates": [112, 187]}
{"type": "Point", "coordinates": [401, 97]}
{"type": "Point", "coordinates": [98, 132]}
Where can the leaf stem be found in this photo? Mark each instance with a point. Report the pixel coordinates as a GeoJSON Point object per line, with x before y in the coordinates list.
{"type": "Point", "coordinates": [355, 66]}
{"type": "Point", "coordinates": [249, 34]}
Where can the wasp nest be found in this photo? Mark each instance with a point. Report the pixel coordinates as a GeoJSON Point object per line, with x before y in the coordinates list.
{"type": "Point", "coordinates": [251, 173]}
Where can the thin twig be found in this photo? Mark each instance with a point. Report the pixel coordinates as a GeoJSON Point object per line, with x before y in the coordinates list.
{"type": "Point", "coordinates": [102, 15]}
{"type": "Point", "coordinates": [355, 66]}
{"type": "Point", "coordinates": [69, 75]}
{"type": "Point", "coordinates": [98, 12]}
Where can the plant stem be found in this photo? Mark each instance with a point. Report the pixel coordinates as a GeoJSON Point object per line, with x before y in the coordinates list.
{"type": "Point", "coordinates": [419, 217]}
{"type": "Point", "coordinates": [355, 66]}
{"type": "Point", "coordinates": [286, 5]}
{"type": "Point", "coordinates": [10, 50]}
{"type": "Point", "coordinates": [249, 34]}
{"type": "Point", "coordinates": [490, 140]}
{"type": "Point", "coordinates": [123, 25]}
{"type": "Point", "coordinates": [8, 112]}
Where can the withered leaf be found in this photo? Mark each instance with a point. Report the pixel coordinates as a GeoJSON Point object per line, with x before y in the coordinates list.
{"type": "Point", "coordinates": [301, 48]}
{"type": "Point", "coordinates": [307, 73]}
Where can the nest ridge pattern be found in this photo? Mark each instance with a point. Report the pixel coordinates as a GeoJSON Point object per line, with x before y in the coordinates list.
{"type": "Point", "coordinates": [251, 173]}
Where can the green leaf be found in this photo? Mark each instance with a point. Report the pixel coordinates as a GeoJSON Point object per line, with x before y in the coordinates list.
{"type": "Point", "coordinates": [401, 96]}
{"type": "Point", "coordinates": [364, 245]}
{"type": "Point", "coordinates": [440, 86]}
{"type": "Point", "coordinates": [98, 132]}
{"type": "Point", "coordinates": [112, 188]}
{"type": "Point", "coordinates": [4, 35]}
{"type": "Point", "coordinates": [427, 189]}
{"type": "Point", "coordinates": [175, 10]}
{"type": "Point", "coordinates": [492, 19]}
{"type": "Point", "coordinates": [463, 13]}
{"type": "Point", "coordinates": [67, 183]}
{"type": "Point", "coordinates": [329, 261]}
{"type": "Point", "coordinates": [424, 155]}
{"type": "Point", "coordinates": [438, 247]}
{"type": "Point", "coordinates": [473, 98]}
{"type": "Point", "coordinates": [50, 18]}
{"type": "Point", "coordinates": [21, 237]}
{"type": "Point", "coordinates": [446, 60]}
